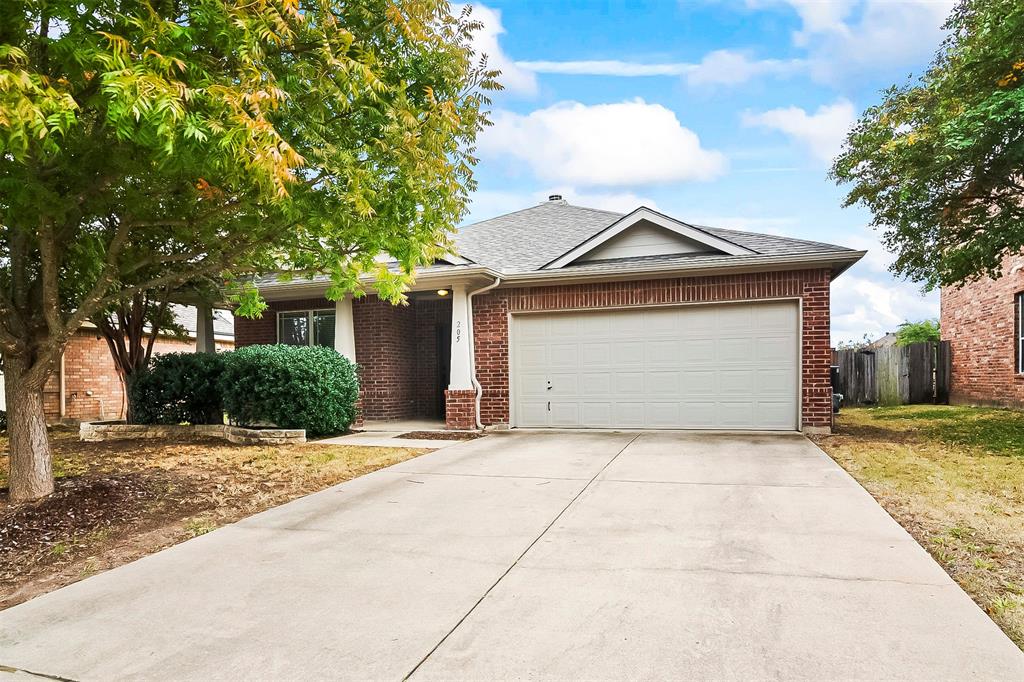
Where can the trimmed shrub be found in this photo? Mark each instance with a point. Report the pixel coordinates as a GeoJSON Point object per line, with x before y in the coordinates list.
{"type": "Point", "coordinates": [178, 388]}
{"type": "Point", "coordinates": [291, 387]}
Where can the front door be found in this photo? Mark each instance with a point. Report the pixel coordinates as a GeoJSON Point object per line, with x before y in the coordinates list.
{"type": "Point", "coordinates": [443, 335]}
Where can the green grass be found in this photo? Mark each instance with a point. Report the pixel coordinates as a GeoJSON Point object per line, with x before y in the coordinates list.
{"type": "Point", "coordinates": [994, 431]}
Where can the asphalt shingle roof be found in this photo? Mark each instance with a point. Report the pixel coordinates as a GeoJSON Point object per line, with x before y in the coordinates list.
{"type": "Point", "coordinates": [527, 240]}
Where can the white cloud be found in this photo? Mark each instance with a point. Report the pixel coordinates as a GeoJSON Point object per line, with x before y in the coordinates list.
{"type": "Point", "coordinates": [628, 144]}
{"type": "Point", "coordinates": [721, 67]}
{"type": "Point", "coordinates": [485, 42]}
{"type": "Point", "coordinates": [822, 132]}
{"type": "Point", "coordinates": [607, 67]}
{"type": "Point", "coordinates": [728, 67]}
{"type": "Point", "coordinates": [868, 299]}
{"type": "Point", "coordinates": [850, 37]}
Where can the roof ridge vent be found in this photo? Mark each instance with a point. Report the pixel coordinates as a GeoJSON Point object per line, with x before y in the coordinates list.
{"type": "Point", "coordinates": [556, 199]}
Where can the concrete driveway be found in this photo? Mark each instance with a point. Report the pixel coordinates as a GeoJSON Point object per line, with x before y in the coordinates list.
{"type": "Point", "coordinates": [541, 555]}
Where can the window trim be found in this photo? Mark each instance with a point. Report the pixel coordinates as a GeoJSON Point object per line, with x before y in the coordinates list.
{"type": "Point", "coordinates": [1018, 303]}
{"type": "Point", "coordinates": [310, 312]}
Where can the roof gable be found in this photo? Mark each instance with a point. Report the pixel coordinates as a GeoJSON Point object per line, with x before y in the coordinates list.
{"type": "Point", "coordinates": [645, 232]}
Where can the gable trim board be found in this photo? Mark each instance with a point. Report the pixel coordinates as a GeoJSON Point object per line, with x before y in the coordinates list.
{"type": "Point", "coordinates": [644, 214]}
{"type": "Point", "coordinates": [644, 389]}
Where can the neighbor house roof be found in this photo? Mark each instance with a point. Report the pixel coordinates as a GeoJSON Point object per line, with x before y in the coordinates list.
{"type": "Point", "coordinates": [186, 315]}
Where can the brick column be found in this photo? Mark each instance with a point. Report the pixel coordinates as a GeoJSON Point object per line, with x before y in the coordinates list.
{"type": "Point", "coordinates": [460, 409]}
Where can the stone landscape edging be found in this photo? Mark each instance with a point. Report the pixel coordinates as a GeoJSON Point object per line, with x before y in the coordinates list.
{"type": "Point", "coordinates": [100, 431]}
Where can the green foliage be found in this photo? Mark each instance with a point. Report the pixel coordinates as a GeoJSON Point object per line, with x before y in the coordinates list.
{"type": "Point", "coordinates": [149, 146]}
{"type": "Point", "coordinates": [292, 387]}
{"type": "Point", "coordinates": [940, 162]}
{"type": "Point", "coordinates": [179, 388]}
{"type": "Point", "coordinates": [146, 146]}
{"type": "Point", "coordinates": [916, 332]}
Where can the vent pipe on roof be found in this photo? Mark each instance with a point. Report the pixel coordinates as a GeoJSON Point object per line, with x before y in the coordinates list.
{"type": "Point", "coordinates": [556, 198]}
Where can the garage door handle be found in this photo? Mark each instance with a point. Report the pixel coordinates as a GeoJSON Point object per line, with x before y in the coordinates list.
{"type": "Point", "coordinates": [549, 406]}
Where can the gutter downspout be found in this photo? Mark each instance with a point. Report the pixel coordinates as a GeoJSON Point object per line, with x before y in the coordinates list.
{"type": "Point", "coordinates": [472, 347]}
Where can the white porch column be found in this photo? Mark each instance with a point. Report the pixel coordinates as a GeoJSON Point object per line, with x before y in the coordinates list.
{"type": "Point", "coordinates": [344, 328]}
{"type": "Point", "coordinates": [204, 329]}
{"type": "Point", "coordinates": [460, 366]}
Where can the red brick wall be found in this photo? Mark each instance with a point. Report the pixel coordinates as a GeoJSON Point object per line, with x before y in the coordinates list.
{"type": "Point", "coordinates": [979, 321]}
{"type": "Point", "coordinates": [395, 350]}
{"type": "Point", "coordinates": [490, 324]}
{"type": "Point", "coordinates": [460, 410]}
{"type": "Point", "coordinates": [92, 388]}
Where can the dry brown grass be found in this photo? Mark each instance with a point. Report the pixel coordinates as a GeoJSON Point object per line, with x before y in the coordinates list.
{"type": "Point", "coordinates": [116, 502]}
{"type": "Point", "coordinates": [954, 478]}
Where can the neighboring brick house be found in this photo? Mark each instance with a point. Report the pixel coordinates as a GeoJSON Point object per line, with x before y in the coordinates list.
{"type": "Point", "coordinates": [982, 322]}
{"type": "Point", "coordinates": [561, 316]}
{"type": "Point", "coordinates": [92, 388]}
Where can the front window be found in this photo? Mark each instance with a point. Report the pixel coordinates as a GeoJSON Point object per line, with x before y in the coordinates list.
{"type": "Point", "coordinates": [306, 328]}
{"type": "Point", "coordinates": [1019, 302]}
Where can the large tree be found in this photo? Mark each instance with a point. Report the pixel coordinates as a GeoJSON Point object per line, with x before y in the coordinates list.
{"type": "Point", "coordinates": [146, 145]}
{"type": "Point", "coordinates": [940, 162]}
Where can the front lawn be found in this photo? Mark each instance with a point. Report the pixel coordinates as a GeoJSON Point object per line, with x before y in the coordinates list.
{"type": "Point", "coordinates": [954, 478]}
{"type": "Point", "coordinates": [116, 502]}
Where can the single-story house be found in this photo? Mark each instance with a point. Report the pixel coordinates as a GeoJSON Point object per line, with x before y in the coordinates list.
{"type": "Point", "coordinates": [86, 385]}
{"type": "Point", "coordinates": [570, 317]}
{"type": "Point", "coordinates": [982, 322]}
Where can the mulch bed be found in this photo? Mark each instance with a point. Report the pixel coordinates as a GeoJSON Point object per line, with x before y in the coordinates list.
{"type": "Point", "coordinates": [442, 435]}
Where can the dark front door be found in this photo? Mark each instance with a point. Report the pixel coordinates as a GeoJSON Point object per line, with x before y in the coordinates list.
{"type": "Point", "coordinates": [444, 361]}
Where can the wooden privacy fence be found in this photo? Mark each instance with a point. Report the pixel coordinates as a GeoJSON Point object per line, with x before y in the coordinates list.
{"type": "Point", "coordinates": [894, 375]}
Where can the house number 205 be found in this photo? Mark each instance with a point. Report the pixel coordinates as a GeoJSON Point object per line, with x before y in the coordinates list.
{"type": "Point", "coordinates": [458, 331]}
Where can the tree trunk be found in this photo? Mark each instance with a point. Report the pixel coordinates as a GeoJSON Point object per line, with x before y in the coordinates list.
{"type": "Point", "coordinates": [31, 473]}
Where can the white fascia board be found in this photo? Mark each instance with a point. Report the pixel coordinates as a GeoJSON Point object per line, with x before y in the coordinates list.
{"type": "Point", "coordinates": [651, 216]}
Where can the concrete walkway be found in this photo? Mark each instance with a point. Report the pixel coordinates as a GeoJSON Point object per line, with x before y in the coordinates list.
{"type": "Point", "coordinates": [537, 555]}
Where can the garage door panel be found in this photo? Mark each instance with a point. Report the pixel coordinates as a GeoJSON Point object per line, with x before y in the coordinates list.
{"type": "Point", "coordinates": [629, 383]}
{"type": "Point", "coordinates": [697, 352]}
{"type": "Point", "coordinates": [533, 384]}
{"type": "Point", "coordinates": [663, 382]}
{"type": "Point", "coordinates": [629, 414]}
{"type": "Point", "coordinates": [664, 415]}
{"type": "Point", "coordinates": [781, 316]}
{"type": "Point", "coordinates": [737, 382]}
{"type": "Point", "coordinates": [699, 366]}
{"type": "Point", "coordinates": [735, 349]}
{"type": "Point", "coordinates": [565, 413]}
{"type": "Point", "coordinates": [564, 384]}
{"type": "Point", "coordinates": [735, 318]}
{"type": "Point", "coordinates": [532, 355]}
{"type": "Point", "coordinates": [596, 383]}
{"type": "Point", "coordinates": [563, 355]}
{"type": "Point", "coordinates": [532, 413]}
{"type": "Point", "coordinates": [626, 353]}
{"type": "Point", "coordinates": [663, 352]}
{"type": "Point", "coordinates": [776, 382]}
{"type": "Point", "coordinates": [773, 349]}
{"type": "Point", "coordinates": [774, 415]}
{"type": "Point", "coordinates": [736, 414]}
{"type": "Point", "coordinates": [697, 414]}
{"type": "Point", "coordinates": [595, 354]}
{"type": "Point", "coordinates": [699, 382]}
{"type": "Point", "coordinates": [598, 414]}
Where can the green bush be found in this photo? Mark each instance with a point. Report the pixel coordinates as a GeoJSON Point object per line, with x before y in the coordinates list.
{"type": "Point", "coordinates": [178, 388]}
{"type": "Point", "coordinates": [291, 387]}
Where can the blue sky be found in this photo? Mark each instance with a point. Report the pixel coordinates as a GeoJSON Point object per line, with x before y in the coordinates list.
{"type": "Point", "coordinates": [722, 113]}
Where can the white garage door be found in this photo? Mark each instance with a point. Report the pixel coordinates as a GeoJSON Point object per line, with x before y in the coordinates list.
{"type": "Point", "coordinates": [731, 366]}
